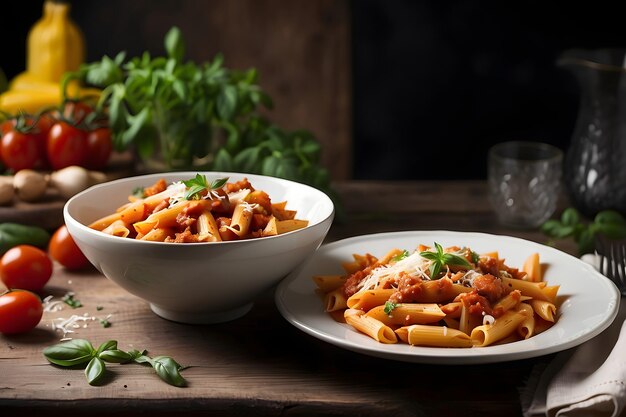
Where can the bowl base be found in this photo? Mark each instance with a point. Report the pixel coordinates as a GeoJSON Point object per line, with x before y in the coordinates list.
{"type": "Point", "coordinates": [201, 317]}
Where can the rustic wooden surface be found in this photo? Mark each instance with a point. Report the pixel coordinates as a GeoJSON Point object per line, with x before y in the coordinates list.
{"type": "Point", "coordinates": [260, 364]}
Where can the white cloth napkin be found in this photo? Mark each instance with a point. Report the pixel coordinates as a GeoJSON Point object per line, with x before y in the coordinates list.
{"type": "Point", "coordinates": [587, 381]}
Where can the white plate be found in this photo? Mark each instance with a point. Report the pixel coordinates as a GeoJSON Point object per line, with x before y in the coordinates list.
{"type": "Point", "coordinates": [588, 301]}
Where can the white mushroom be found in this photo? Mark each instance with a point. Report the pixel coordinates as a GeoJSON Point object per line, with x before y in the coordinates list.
{"type": "Point", "coordinates": [29, 185]}
{"type": "Point", "coordinates": [74, 179]}
{"type": "Point", "coordinates": [6, 190]}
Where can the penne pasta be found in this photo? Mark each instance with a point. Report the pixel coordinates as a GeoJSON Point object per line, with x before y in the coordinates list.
{"type": "Point", "coordinates": [183, 213]}
{"type": "Point", "coordinates": [544, 309]}
{"type": "Point", "coordinates": [436, 336]}
{"type": "Point", "coordinates": [366, 300]}
{"type": "Point", "coordinates": [526, 328]}
{"type": "Point", "coordinates": [406, 314]}
{"type": "Point", "coordinates": [463, 305]}
{"type": "Point", "coordinates": [326, 283]}
{"type": "Point", "coordinates": [335, 300]}
{"type": "Point", "coordinates": [375, 329]}
{"type": "Point", "coordinates": [117, 228]}
{"type": "Point", "coordinates": [502, 327]}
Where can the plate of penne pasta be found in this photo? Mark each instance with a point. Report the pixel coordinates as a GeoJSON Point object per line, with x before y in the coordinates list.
{"type": "Point", "coordinates": [447, 297]}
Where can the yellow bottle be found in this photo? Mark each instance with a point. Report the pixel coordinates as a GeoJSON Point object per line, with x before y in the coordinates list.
{"type": "Point", "coordinates": [55, 44]}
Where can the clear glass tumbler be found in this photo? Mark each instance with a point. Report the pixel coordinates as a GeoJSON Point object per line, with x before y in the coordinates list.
{"type": "Point", "coordinates": [524, 182]}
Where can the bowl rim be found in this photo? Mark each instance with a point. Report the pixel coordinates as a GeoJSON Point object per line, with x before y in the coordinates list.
{"type": "Point", "coordinates": [328, 217]}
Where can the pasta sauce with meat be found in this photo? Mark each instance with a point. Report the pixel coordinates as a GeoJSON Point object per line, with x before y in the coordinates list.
{"type": "Point", "coordinates": [197, 211]}
{"type": "Point", "coordinates": [452, 297]}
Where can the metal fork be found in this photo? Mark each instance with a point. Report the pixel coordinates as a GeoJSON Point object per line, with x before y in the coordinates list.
{"type": "Point", "coordinates": [612, 260]}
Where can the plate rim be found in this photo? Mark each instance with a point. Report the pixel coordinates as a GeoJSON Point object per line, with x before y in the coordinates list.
{"type": "Point", "coordinates": [429, 355]}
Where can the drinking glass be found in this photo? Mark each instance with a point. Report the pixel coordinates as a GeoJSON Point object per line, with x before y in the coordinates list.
{"type": "Point", "coordinates": [524, 182]}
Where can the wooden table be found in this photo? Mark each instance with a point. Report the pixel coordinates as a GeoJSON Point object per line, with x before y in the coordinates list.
{"type": "Point", "coordinates": [260, 364]}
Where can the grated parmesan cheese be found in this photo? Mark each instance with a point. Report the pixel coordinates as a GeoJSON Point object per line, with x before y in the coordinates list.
{"type": "Point", "coordinates": [413, 265]}
{"type": "Point", "coordinates": [51, 305]}
{"type": "Point", "coordinates": [75, 321]}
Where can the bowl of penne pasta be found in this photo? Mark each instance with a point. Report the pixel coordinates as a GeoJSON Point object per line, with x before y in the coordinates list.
{"type": "Point", "coordinates": [198, 247]}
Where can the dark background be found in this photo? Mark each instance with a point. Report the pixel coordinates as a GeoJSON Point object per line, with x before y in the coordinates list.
{"type": "Point", "coordinates": [433, 83]}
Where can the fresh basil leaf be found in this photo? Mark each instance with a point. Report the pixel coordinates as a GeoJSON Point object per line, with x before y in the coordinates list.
{"type": "Point", "coordinates": [247, 160]}
{"type": "Point", "coordinates": [429, 255]}
{"type": "Point", "coordinates": [71, 301]}
{"type": "Point", "coordinates": [610, 217]}
{"type": "Point", "coordinates": [70, 353]}
{"type": "Point", "coordinates": [115, 356]}
{"type": "Point", "coordinates": [451, 259]}
{"type": "Point", "coordinates": [586, 242]}
{"type": "Point", "coordinates": [142, 359]}
{"type": "Point", "coordinates": [95, 370]}
{"type": "Point", "coordinates": [218, 183]}
{"type": "Point", "coordinates": [570, 217]}
{"type": "Point", "coordinates": [109, 345]}
{"type": "Point", "coordinates": [105, 72]}
{"type": "Point", "coordinates": [223, 161]}
{"type": "Point", "coordinates": [400, 256]}
{"type": "Point", "coordinates": [134, 353]}
{"type": "Point", "coordinates": [475, 257]}
{"type": "Point", "coordinates": [168, 370]}
{"type": "Point", "coordinates": [389, 307]}
{"type": "Point", "coordinates": [174, 44]}
{"type": "Point", "coordinates": [227, 102]}
{"type": "Point", "coordinates": [434, 269]}
{"type": "Point", "coordinates": [270, 166]}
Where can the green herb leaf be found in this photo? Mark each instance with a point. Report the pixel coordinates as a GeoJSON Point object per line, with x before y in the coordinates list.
{"type": "Point", "coordinates": [168, 370]}
{"type": "Point", "coordinates": [71, 353]}
{"type": "Point", "coordinates": [475, 257]}
{"type": "Point", "coordinates": [607, 222]}
{"type": "Point", "coordinates": [71, 301]}
{"type": "Point", "coordinates": [174, 44]}
{"type": "Point", "coordinates": [400, 256]}
{"type": "Point", "coordinates": [439, 258]}
{"type": "Point", "coordinates": [94, 370]}
{"type": "Point", "coordinates": [389, 307]}
{"type": "Point", "coordinates": [115, 356]}
{"type": "Point", "coordinates": [111, 344]}
{"type": "Point", "coordinates": [200, 183]}
{"type": "Point", "coordinates": [136, 353]}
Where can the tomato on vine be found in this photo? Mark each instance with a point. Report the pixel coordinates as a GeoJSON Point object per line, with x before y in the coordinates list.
{"type": "Point", "coordinates": [20, 311]}
{"type": "Point", "coordinates": [19, 150]}
{"type": "Point", "coordinates": [67, 145]}
{"type": "Point", "coordinates": [99, 148]}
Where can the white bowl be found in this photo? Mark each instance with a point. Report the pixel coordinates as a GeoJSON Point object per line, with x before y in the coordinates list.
{"type": "Point", "coordinates": [198, 282]}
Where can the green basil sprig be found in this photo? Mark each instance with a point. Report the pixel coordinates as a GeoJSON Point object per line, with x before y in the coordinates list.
{"type": "Point", "coordinates": [573, 225]}
{"type": "Point", "coordinates": [200, 115]}
{"type": "Point", "coordinates": [438, 259]}
{"type": "Point", "coordinates": [79, 352]}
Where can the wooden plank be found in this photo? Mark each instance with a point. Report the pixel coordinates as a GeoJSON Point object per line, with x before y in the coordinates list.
{"type": "Point", "coordinates": [259, 364]}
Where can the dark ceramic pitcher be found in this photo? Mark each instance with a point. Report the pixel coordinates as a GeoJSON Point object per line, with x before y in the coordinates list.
{"type": "Point", "coordinates": [595, 162]}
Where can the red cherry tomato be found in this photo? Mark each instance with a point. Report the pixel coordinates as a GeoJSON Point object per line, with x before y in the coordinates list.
{"type": "Point", "coordinates": [38, 132]}
{"type": "Point", "coordinates": [25, 267]}
{"type": "Point", "coordinates": [76, 111]}
{"type": "Point", "coordinates": [67, 145]}
{"type": "Point", "coordinates": [99, 148]}
{"type": "Point", "coordinates": [19, 150]}
{"type": "Point", "coordinates": [20, 311]}
{"type": "Point", "coordinates": [64, 250]}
